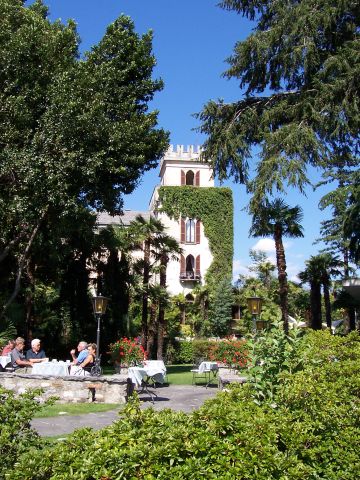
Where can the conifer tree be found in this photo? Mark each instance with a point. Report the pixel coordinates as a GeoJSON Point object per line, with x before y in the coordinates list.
{"type": "Point", "coordinates": [299, 72]}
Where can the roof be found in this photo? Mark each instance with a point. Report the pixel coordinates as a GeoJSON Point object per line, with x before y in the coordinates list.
{"type": "Point", "coordinates": [104, 219]}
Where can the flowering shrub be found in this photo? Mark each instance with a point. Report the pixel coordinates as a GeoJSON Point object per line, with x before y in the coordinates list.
{"type": "Point", "coordinates": [233, 353]}
{"type": "Point", "coordinates": [127, 352]}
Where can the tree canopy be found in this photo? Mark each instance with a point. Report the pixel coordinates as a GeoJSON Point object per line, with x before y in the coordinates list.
{"type": "Point", "coordinates": [299, 70]}
{"type": "Point", "coordinates": [75, 133]}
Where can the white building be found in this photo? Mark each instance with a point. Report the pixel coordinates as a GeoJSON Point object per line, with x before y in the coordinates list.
{"type": "Point", "coordinates": [181, 167]}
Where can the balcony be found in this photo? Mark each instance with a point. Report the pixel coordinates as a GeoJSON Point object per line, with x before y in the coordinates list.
{"type": "Point", "coordinates": [190, 276]}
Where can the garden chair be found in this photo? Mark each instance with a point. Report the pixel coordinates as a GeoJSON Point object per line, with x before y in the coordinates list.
{"type": "Point", "coordinates": [197, 371]}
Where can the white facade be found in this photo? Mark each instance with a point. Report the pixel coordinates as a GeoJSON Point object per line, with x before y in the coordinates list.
{"type": "Point", "coordinates": [181, 167]}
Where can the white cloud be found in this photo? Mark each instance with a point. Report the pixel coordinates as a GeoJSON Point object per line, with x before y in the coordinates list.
{"type": "Point", "coordinates": [265, 245]}
{"type": "Point", "coordinates": [239, 269]}
{"type": "Point", "coordinates": [268, 245]}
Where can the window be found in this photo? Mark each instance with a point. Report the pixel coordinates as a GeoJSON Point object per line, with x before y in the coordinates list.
{"type": "Point", "coordinates": [190, 265]}
{"type": "Point", "coordinates": [190, 177]}
{"type": "Point", "coordinates": [190, 231]}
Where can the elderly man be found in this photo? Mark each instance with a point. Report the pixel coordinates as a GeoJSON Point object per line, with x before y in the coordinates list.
{"type": "Point", "coordinates": [35, 354]}
{"type": "Point", "coordinates": [83, 353]}
{"type": "Point", "coordinates": [18, 360]}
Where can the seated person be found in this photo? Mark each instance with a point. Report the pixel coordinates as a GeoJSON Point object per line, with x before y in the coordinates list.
{"type": "Point", "coordinates": [7, 349]}
{"type": "Point", "coordinates": [83, 353]}
{"type": "Point", "coordinates": [18, 360]}
{"type": "Point", "coordinates": [90, 359]}
{"type": "Point", "coordinates": [35, 354]}
{"type": "Point", "coordinates": [85, 366]}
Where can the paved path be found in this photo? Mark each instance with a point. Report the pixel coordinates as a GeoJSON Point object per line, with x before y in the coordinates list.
{"type": "Point", "coordinates": [176, 397]}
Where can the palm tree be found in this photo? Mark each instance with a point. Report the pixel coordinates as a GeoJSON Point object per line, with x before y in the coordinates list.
{"type": "Point", "coordinates": [313, 275]}
{"type": "Point", "coordinates": [277, 220]}
{"type": "Point", "coordinates": [166, 248]}
{"type": "Point", "coordinates": [319, 270]}
{"type": "Point", "coordinates": [144, 233]}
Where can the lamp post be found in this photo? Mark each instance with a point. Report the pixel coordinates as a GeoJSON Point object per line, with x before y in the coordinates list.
{"type": "Point", "coordinates": [254, 307]}
{"type": "Point", "coordinates": [99, 306]}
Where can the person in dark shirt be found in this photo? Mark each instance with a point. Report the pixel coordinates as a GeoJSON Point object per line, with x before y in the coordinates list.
{"type": "Point", "coordinates": [35, 354]}
{"type": "Point", "coordinates": [18, 360]}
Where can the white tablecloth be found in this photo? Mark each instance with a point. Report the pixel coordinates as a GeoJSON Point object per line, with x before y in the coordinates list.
{"type": "Point", "coordinates": [58, 369]}
{"type": "Point", "coordinates": [208, 367]}
{"type": "Point", "coordinates": [4, 360]}
{"type": "Point", "coordinates": [138, 374]}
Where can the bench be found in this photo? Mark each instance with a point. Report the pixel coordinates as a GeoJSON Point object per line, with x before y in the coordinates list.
{"type": "Point", "coordinates": [227, 376]}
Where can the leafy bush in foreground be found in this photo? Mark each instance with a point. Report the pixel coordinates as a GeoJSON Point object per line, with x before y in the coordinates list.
{"type": "Point", "coordinates": [16, 433]}
{"type": "Point", "coordinates": [309, 430]}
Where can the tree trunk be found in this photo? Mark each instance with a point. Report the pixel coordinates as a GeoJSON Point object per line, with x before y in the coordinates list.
{"type": "Point", "coordinates": [327, 305]}
{"type": "Point", "coordinates": [21, 264]}
{"type": "Point", "coordinates": [315, 301]}
{"type": "Point", "coordinates": [29, 302]}
{"type": "Point", "coordinates": [282, 277]}
{"type": "Point", "coordinates": [145, 295]}
{"type": "Point", "coordinates": [161, 317]}
{"type": "Point", "coordinates": [152, 329]}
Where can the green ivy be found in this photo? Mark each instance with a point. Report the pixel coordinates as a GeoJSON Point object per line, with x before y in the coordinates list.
{"type": "Point", "coordinates": [214, 207]}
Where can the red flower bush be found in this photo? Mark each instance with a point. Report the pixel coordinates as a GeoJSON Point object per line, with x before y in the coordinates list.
{"type": "Point", "coordinates": [127, 352]}
{"type": "Point", "coordinates": [233, 353]}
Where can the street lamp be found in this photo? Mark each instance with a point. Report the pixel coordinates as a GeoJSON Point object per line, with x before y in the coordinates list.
{"type": "Point", "coordinates": [99, 306]}
{"type": "Point", "coordinates": [254, 307]}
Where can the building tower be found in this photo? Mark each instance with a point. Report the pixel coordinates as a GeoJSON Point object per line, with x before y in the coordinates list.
{"type": "Point", "coordinates": [182, 168]}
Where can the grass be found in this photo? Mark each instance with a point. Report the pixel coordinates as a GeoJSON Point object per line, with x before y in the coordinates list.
{"type": "Point", "coordinates": [74, 409]}
{"type": "Point", "coordinates": [179, 374]}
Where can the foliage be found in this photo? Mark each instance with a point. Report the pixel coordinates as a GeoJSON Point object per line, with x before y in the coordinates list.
{"type": "Point", "coordinates": [78, 134]}
{"type": "Point", "coordinates": [16, 434]}
{"type": "Point", "coordinates": [127, 352]}
{"type": "Point", "coordinates": [232, 352]}
{"type": "Point", "coordinates": [300, 104]}
{"type": "Point", "coordinates": [351, 224]}
{"type": "Point", "coordinates": [311, 431]}
{"type": "Point", "coordinates": [209, 205]}
{"type": "Point", "coordinates": [220, 315]}
{"type": "Point", "coordinates": [190, 351]}
{"type": "Point", "coordinates": [272, 353]}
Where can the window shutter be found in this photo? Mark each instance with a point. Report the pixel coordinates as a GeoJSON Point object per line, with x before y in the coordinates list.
{"type": "Point", "coordinates": [197, 233]}
{"type": "Point", "coordinates": [197, 266]}
{"type": "Point", "coordinates": [182, 265]}
{"type": "Point", "coordinates": [183, 179]}
{"type": "Point", "coordinates": [197, 179]}
{"type": "Point", "coordinates": [182, 232]}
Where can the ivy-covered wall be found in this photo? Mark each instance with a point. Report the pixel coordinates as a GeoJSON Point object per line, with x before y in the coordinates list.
{"type": "Point", "coordinates": [214, 207]}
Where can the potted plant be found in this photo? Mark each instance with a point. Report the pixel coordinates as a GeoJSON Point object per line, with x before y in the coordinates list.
{"type": "Point", "coordinates": [125, 353]}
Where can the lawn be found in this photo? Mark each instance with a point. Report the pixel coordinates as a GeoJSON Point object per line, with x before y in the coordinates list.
{"type": "Point", "coordinates": [75, 409]}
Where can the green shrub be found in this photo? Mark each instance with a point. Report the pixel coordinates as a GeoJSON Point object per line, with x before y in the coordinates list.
{"type": "Point", "coordinates": [308, 430]}
{"type": "Point", "coordinates": [187, 352]}
{"type": "Point", "coordinates": [16, 434]}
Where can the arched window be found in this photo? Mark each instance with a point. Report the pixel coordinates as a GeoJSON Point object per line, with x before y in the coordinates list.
{"type": "Point", "coordinates": [190, 266]}
{"type": "Point", "coordinates": [190, 177]}
{"type": "Point", "coordinates": [190, 231]}
{"type": "Point", "coordinates": [189, 298]}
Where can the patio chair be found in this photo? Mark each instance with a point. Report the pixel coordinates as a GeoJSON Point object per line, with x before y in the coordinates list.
{"type": "Point", "coordinates": [198, 372]}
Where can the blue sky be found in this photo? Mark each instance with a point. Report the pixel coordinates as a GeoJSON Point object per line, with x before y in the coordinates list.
{"type": "Point", "coordinates": [192, 39]}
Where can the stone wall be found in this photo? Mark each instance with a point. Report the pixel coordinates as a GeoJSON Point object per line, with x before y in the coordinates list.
{"type": "Point", "coordinates": [71, 389]}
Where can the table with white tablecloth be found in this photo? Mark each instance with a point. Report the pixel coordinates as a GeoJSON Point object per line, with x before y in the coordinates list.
{"type": "Point", "coordinates": [139, 375]}
{"type": "Point", "coordinates": [150, 373]}
{"type": "Point", "coordinates": [4, 360]}
{"type": "Point", "coordinates": [57, 369]}
{"type": "Point", "coordinates": [207, 370]}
